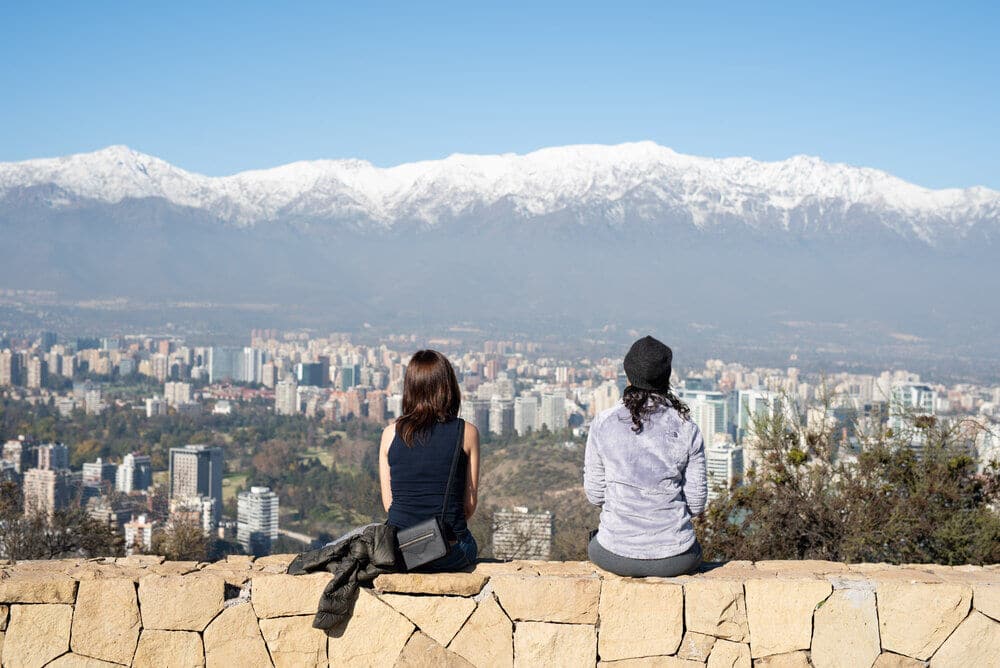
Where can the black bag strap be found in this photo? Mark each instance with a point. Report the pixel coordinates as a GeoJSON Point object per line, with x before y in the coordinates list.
{"type": "Point", "coordinates": [454, 465]}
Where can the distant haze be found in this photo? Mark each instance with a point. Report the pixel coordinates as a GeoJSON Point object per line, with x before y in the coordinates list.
{"type": "Point", "coordinates": [633, 234]}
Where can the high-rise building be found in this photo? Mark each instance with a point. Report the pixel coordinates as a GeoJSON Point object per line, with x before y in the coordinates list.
{"type": "Point", "coordinates": [310, 373]}
{"type": "Point", "coordinates": [350, 376]}
{"type": "Point", "coordinates": [604, 396]}
{"type": "Point", "coordinates": [8, 368]}
{"type": "Point", "coordinates": [46, 490]}
{"type": "Point", "coordinates": [268, 374]}
{"type": "Point", "coordinates": [99, 473]}
{"type": "Point", "coordinates": [552, 412]}
{"type": "Point", "coordinates": [753, 405]}
{"type": "Point", "coordinates": [501, 416]}
{"type": "Point", "coordinates": [139, 534]}
{"type": "Point", "coordinates": [134, 474]}
{"type": "Point", "coordinates": [709, 410]}
{"type": "Point", "coordinates": [257, 520]}
{"type": "Point", "coordinates": [286, 397]}
{"type": "Point", "coordinates": [196, 471]}
{"type": "Point", "coordinates": [155, 406]}
{"type": "Point", "coordinates": [53, 456]}
{"type": "Point", "coordinates": [37, 372]}
{"type": "Point", "coordinates": [46, 341]}
{"type": "Point", "coordinates": [177, 393]}
{"type": "Point", "coordinates": [224, 364]}
{"type": "Point", "coordinates": [252, 365]}
{"type": "Point", "coordinates": [724, 466]}
{"type": "Point", "coordinates": [476, 412]}
{"type": "Point", "coordinates": [21, 454]}
{"type": "Point", "coordinates": [519, 534]}
{"type": "Point", "coordinates": [525, 414]}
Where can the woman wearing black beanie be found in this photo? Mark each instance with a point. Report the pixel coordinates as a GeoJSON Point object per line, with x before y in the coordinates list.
{"type": "Point", "coordinates": [645, 468]}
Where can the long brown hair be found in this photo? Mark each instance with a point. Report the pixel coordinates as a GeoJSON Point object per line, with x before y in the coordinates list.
{"type": "Point", "coordinates": [430, 394]}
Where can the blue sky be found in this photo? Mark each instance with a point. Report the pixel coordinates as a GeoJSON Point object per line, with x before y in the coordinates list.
{"type": "Point", "coordinates": [911, 88]}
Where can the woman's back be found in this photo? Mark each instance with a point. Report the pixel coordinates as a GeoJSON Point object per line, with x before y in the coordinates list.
{"type": "Point", "coordinates": [647, 484]}
{"type": "Point", "coordinates": [419, 475]}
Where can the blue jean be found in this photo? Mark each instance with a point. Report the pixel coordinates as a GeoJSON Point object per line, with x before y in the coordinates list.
{"type": "Point", "coordinates": [460, 556]}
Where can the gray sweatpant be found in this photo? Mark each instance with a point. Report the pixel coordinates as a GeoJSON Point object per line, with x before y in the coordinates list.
{"type": "Point", "coordinates": [667, 567]}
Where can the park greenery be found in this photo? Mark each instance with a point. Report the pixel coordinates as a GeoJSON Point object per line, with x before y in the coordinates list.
{"type": "Point", "coordinates": [813, 496]}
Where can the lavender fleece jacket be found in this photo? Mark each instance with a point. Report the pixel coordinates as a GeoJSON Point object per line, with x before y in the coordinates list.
{"type": "Point", "coordinates": [648, 485]}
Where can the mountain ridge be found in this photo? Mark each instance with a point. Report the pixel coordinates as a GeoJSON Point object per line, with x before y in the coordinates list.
{"type": "Point", "coordinates": [591, 185]}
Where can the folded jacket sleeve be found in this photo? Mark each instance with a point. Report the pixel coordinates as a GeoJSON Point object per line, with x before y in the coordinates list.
{"type": "Point", "coordinates": [593, 469]}
{"type": "Point", "coordinates": [695, 480]}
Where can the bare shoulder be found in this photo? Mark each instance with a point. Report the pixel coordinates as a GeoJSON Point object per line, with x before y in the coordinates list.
{"type": "Point", "coordinates": [389, 432]}
{"type": "Point", "coordinates": [471, 433]}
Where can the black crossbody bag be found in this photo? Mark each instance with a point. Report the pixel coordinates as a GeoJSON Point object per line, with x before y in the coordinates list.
{"type": "Point", "coordinates": [424, 542]}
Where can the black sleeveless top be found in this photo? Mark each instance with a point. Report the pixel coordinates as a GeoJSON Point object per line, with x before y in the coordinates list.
{"type": "Point", "coordinates": [418, 476]}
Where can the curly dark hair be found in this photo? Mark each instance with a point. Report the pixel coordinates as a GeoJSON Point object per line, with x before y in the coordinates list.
{"type": "Point", "coordinates": [643, 403]}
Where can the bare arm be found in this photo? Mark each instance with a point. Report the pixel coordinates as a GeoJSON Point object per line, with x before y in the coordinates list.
{"type": "Point", "coordinates": [383, 465]}
{"type": "Point", "coordinates": [471, 447]}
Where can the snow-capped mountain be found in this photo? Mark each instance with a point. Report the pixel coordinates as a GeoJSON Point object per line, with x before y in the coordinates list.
{"type": "Point", "coordinates": [591, 185]}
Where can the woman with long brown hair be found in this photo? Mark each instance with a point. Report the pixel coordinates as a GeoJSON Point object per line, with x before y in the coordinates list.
{"type": "Point", "coordinates": [415, 459]}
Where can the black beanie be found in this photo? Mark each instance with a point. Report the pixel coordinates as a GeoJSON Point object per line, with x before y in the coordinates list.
{"type": "Point", "coordinates": [647, 364]}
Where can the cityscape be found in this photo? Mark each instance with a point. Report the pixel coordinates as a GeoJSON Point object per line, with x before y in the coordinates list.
{"type": "Point", "coordinates": [515, 391]}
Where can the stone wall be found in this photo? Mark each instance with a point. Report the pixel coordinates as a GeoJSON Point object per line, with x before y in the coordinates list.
{"type": "Point", "coordinates": [145, 612]}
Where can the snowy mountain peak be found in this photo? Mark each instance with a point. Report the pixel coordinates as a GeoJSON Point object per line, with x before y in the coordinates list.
{"type": "Point", "coordinates": [591, 184]}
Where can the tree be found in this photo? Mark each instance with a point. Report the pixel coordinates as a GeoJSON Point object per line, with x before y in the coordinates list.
{"type": "Point", "coordinates": [67, 532]}
{"type": "Point", "coordinates": [810, 495]}
{"type": "Point", "coordinates": [181, 541]}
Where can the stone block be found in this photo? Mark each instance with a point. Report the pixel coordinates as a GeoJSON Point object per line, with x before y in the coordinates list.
{"type": "Point", "coordinates": [441, 584]}
{"type": "Point", "coordinates": [696, 647]}
{"type": "Point", "coordinates": [37, 587]}
{"type": "Point", "coordinates": [440, 617]}
{"type": "Point", "coordinates": [807, 566]}
{"type": "Point", "coordinates": [374, 635]}
{"type": "Point", "coordinates": [576, 568]}
{"type": "Point", "coordinates": [845, 630]}
{"type": "Point", "coordinates": [915, 618]}
{"type": "Point", "coordinates": [486, 638]}
{"type": "Point", "coordinates": [287, 595]}
{"type": "Point", "coordinates": [728, 654]}
{"type": "Point", "coordinates": [779, 613]}
{"type": "Point", "coordinates": [273, 563]}
{"type": "Point", "coordinates": [652, 662]}
{"type": "Point", "coordinates": [787, 660]}
{"type": "Point", "coordinates": [174, 568]}
{"type": "Point", "coordinates": [986, 599]}
{"type": "Point", "coordinates": [293, 642]}
{"type": "Point", "coordinates": [180, 603]}
{"type": "Point", "coordinates": [169, 649]}
{"type": "Point", "coordinates": [491, 568]}
{"type": "Point", "coordinates": [422, 652]}
{"type": "Point", "coordinates": [545, 644]}
{"type": "Point", "coordinates": [890, 660]}
{"type": "Point", "coordinates": [106, 620]}
{"type": "Point", "coordinates": [638, 619]}
{"type": "Point", "coordinates": [234, 639]}
{"type": "Point", "coordinates": [141, 560]}
{"type": "Point", "coordinates": [976, 642]}
{"type": "Point", "coordinates": [570, 600]}
{"type": "Point", "coordinates": [716, 608]}
{"type": "Point", "coordinates": [36, 634]}
{"type": "Point", "coordinates": [80, 661]}
{"type": "Point", "coordinates": [4, 616]}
